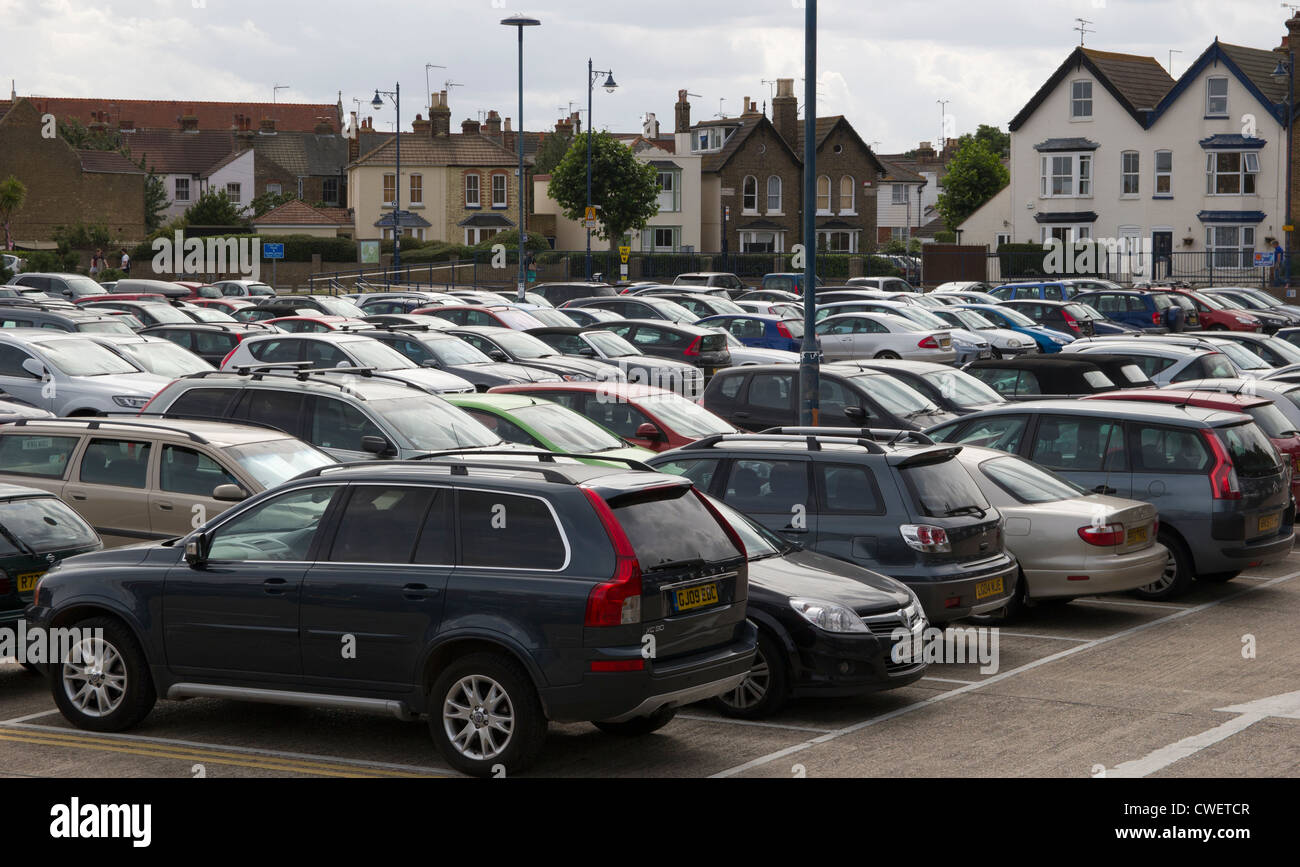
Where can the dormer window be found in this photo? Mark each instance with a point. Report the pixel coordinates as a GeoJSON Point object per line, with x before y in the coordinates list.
{"type": "Point", "coordinates": [710, 138]}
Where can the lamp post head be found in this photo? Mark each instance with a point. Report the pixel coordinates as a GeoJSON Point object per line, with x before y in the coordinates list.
{"type": "Point", "coordinates": [610, 84]}
{"type": "Point", "coordinates": [1280, 72]}
{"type": "Point", "coordinates": [520, 21]}
{"type": "Point", "coordinates": [377, 102]}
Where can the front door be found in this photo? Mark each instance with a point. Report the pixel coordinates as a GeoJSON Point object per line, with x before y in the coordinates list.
{"type": "Point", "coordinates": [1162, 253]}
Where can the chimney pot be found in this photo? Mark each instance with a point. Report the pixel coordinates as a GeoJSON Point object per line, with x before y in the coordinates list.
{"type": "Point", "coordinates": [682, 113]}
{"type": "Point", "coordinates": [469, 127]}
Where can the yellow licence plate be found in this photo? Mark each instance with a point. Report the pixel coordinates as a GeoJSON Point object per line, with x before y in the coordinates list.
{"type": "Point", "coordinates": [1270, 523]}
{"type": "Point", "coordinates": [1137, 536]}
{"type": "Point", "coordinates": [696, 597]}
{"type": "Point", "coordinates": [27, 581]}
{"type": "Point", "coordinates": [985, 589]}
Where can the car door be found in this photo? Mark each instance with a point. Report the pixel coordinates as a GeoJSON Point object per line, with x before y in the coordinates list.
{"type": "Point", "coordinates": [181, 497]}
{"type": "Point", "coordinates": [1170, 465]}
{"type": "Point", "coordinates": [109, 487]}
{"type": "Point", "coordinates": [848, 504]}
{"type": "Point", "coordinates": [1089, 450]}
{"type": "Point", "coordinates": [337, 427]}
{"type": "Point", "coordinates": [282, 410]}
{"type": "Point", "coordinates": [865, 339]}
{"type": "Point", "coordinates": [770, 399]}
{"type": "Point", "coordinates": [17, 381]}
{"type": "Point", "coordinates": [373, 598]}
{"type": "Point", "coordinates": [237, 615]}
{"type": "Point", "coordinates": [776, 492]}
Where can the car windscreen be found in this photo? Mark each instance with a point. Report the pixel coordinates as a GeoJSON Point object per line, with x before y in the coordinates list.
{"type": "Point", "coordinates": [610, 343]}
{"type": "Point", "coordinates": [1027, 482]}
{"type": "Point", "coordinates": [1217, 366]}
{"type": "Point", "coordinates": [340, 307]}
{"type": "Point", "coordinates": [106, 326]}
{"type": "Point", "coordinates": [962, 388]}
{"type": "Point", "coordinates": [1241, 356]}
{"type": "Point", "coordinates": [1016, 317]}
{"type": "Point", "coordinates": [274, 462]}
{"type": "Point", "coordinates": [165, 313]}
{"type": "Point", "coordinates": [85, 358]}
{"type": "Point", "coordinates": [685, 417]}
{"type": "Point", "coordinates": [943, 489]}
{"type": "Point", "coordinates": [518, 318]}
{"type": "Point", "coordinates": [566, 429]}
{"type": "Point", "coordinates": [207, 314]}
{"type": "Point", "coordinates": [431, 424]}
{"type": "Point", "coordinates": [164, 358]}
{"type": "Point", "coordinates": [921, 317]}
{"type": "Point", "coordinates": [670, 527]}
{"type": "Point", "coordinates": [968, 318]}
{"type": "Point", "coordinates": [898, 399]}
{"type": "Point", "coordinates": [671, 309]}
{"type": "Point", "coordinates": [453, 350]}
{"type": "Point", "coordinates": [523, 345]}
{"type": "Point", "coordinates": [372, 353]}
{"type": "Point", "coordinates": [42, 524]}
{"type": "Point", "coordinates": [1252, 454]}
{"type": "Point", "coordinates": [85, 286]}
{"type": "Point", "coordinates": [1209, 301]}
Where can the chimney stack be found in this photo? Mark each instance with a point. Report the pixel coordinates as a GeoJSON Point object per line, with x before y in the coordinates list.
{"type": "Point", "coordinates": [785, 111]}
{"type": "Point", "coordinates": [469, 127]}
{"type": "Point", "coordinates": [682, 113]}
{"type": "Point", "coordinates": [189, 121]}
{"type": "Point", "coordinates": [354, 140]}
{"type": "Point", "coordinates": [508, 137]}
{"type": "Point", "coordinates": [440, 115]}
{"type": "Point", "coordinates": [267, 127]}
{"type": "Point", "coordinates": [564, 127]}
{"type": "Point", "coordinates": [323, 126]}
{"type": "Point", "coordinates": [420, 126]}
{"type": "Point", "coordinates": [749, 108]}
{"type": "Point", "coordinates": [493, 125]}
{"type": "Point", "coordinates": [575, 121]}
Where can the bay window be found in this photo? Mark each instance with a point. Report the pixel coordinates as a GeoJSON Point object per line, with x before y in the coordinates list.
{"type": "Point", "coordinates": [1061, 175]}
{"type": "Point", "coordinates": [1231, 173]}
{"type": "Point", "coordinates": [1230, 246]}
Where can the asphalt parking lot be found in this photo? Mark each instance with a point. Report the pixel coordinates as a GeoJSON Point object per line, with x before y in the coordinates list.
{"type": "Point", "coordinates": [1112, 686]}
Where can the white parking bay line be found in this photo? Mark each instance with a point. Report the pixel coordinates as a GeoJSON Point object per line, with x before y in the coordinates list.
{"type": "Point", "coordinates": [1133, 604]}
{"type": "Point", "coordinates": [30, 716]}
{"type": "Point", "coordinates": [749, 722]}
{"type": "Point", "coordinates": [1048, 637]}
{"type": "Point", "coordinates": [997, 678]}
{"type": "Point", "coordinates": [950, 680]}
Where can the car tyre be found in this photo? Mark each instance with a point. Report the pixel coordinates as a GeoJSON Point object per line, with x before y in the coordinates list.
{"type": "Point", "coordinates": [887, 355]}
{"type": "Point", "coordinates": [1177, 576]}
{"type": "Point", "coordinates": [489, 702]}
{"type": "Point", "coordinates": [766, 687]}
{"type": "Point", "coordinates": [111, 689]}
{"type": "Point", "coordinates": [637, 726]}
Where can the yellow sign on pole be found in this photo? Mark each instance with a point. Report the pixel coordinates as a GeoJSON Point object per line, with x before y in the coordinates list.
{"type": "Point", "coordinates": [591, 214]}
{"type": "Point", "coordinates": [623, 253]}
{"type": "Point", "coordinates": [1288, 228]}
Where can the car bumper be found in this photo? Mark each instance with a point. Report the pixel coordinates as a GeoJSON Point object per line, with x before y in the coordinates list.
{"type": "Point", "coordinates": [952, 595]}
{"type": "Point", "coordinates": [1111, 575]}
{"type": "Point", "coordinates": [836, 665]}
{"type": "Point", "coordinates": [1016, 351]}
{"type": "Point", "coordinates": [1243, 555]}
{"type": "Point", "coordinates": [620, 696]}
{"type": "Point", "coordinates": [935, 356]}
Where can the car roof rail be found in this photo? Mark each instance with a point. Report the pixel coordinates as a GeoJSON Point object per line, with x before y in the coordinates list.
{"type": "Point", "coordinates": [190, 416]}
{"type": "Point", "coordinates": [96, 424]}
{"type": "Point", "coordinates": [544, 457]}
{"type": "Point", "coordinates": [813, 441]}
{"type": "Point", "coordinates": [891, 435]}
{"type": "Point", "coordinates": [457, 468]}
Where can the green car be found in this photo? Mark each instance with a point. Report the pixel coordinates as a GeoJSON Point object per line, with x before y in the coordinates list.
{"type": "Point", "coordinates": [530, 421]}
{"type": "Point", "coordinates": [37, 530]}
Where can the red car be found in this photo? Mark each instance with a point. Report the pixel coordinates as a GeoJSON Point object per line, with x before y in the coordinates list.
{"type": "Point", "coordinates": [301, 324]}
{"type": "Point", "coordinates": [198, 290]}
{"type": "Point", "coordinates": [225, 305]}
{"type": "Point", "coordinates": [1269, 418]}
{"type": "Point", "coordinates": [474, 314]}
{"type": "Point", "coordinates": [654, 418]}
{"type": "Point", "coordinates": [1217, 316]}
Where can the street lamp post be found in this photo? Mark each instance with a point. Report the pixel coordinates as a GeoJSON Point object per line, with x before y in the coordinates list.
{"type": "Point", "coordinates": [610, 86]}
{"type": "Point", "coordinates": [521, 21]}
{"type": "Point", "coordinates": [1287, 68]}
{"type": "Point", "coordinates": [396, 96]}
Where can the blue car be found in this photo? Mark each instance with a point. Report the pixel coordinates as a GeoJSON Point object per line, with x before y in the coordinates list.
{"type": "Point", "coordinates": [1004, 317]}
{"type": "Point", "coordinates": [760, 330]}
{"type": "Point", "coordinates": [1050, 290]}
{"type": "Point", "coordinates": [1151, 311]}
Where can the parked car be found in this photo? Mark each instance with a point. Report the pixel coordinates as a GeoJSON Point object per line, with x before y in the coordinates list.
{"type": "Point", "coordinates": [1060, 316]}
{"type": "Point", "coordinates": [771, 295]}
{"type": "Point", "coordinates": [136, 480]}
{"type": "Point", "coordinates": [1039, 378]}
{"type": "Point", "coordinates": [207, 314]}
{"type": "Point", "coordinates": [968, 345]}
{"type": "Point", "coordinates": [884, 284]}
{"type": "Point", "coordinates": [585, 316]}
{"type": "Point", "coordinates": [315, 323]}
{"type": "Point", "coordinates": [340, 350]}
{"type": "Point", "coordinates": [1048, 290]}
{"type": "Point", "coordinates": [211, 341]}
{"type": "Point", "coordinates": [137, 286]}
{"type": "Point", "coordinates": [60, 318]}
{"type": "Point", "coordinates": [713, 279]}
{"type": "Point", "coordinates": [826, 627]}
{"type": "Point", "coordinates": [350, 417]}
{"type": "Point", "coordinates": [69, 374]}
{"type": "Point", "coordinates": [757, 398]}
{"type": "Point", "coordinates": [702, 305]}
{"type": "Point", "coordinates": [500, 316]}
{"type": "Point", "coordinates": [429, 347]}
{"type": "Point", "coordinates": [638, 307]}
{"type": "Point", "coordinates": [307, 305]}
{"type": "Point", "coordinates": [37, 532]}
{"type": "Point", "coordinates": [1261, 305]}
{"type": "Point", "coordinates": [198, 291]}
{"type": "Point", "coordinates": [704, 348]}
{"type": "Point", "coordinates": [644, 416]}
{"type": "Point", "coordinates": [605, 346]}
{"type": "Point", "coordinates": [953, 391]}
{"type": "Point", "coordinates": [757, 330]}
{"type": "Point", "coordinates": [791, 282]}
{"type": "Point", "coordinates": [12, 409]}
{"type": "Point", "coordinates": [556, 612]}
{"type": "Point", "coordinates": [784, 309]}
{"type": "Point", "coordinates": [244, 289]}
{"type": "Point", "coordinates": [559, 293]}
{"type": "Point", "coordinates": [1275, 350]}
{"type": "Point", "coordinates": [1005, 343]}
{"type": "Point", "coordinates": [70, 286]}
{"type": "Point", "coordinates": [882, 335]}
{"type": "Point", "coordinates": [1067, 541]}
{"type": "Point", "coordinates": [1215, 315]}
{"type": "Point", "coordinates": [518, 347]}
{"type": "Point", "coordinates": [1150, 311]}
{"type": "Point", "coordinates": [743, 356]}
{"type": "Point", "coordinates": [1217, 482]}
{"type": "Point", "coordinates": [969, 292]}
{"type": "Point", "coordinates": [396, 320]}
{"type": "Point", "coordinates": [404, 302]}
{"type": "Point", "coordinates": [148, 312]}
{"type": "Point", "coordinates": [153, 354]}
{"type": "Point", "coordinates": [1165, 362]}
{"type": "Point", "coordinates": [1002, 316]}
{"type": "Point", "coordinates": [226, 305]}
{"type": "Point", "coordinates": [1285, 395]}
{"type": "Point", "coordinates": [544, 424]}
{"type": "Point", "coordinates": [895, 504]}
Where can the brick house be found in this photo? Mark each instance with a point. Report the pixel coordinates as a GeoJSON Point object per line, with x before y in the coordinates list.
{"type": "Point", "coordinates": [309, 164]}
{"type": "Point", "coordinates": [191, 161]}
{"type": "Point", "coordinates": [296, 217]}
{"type": "Point", "coordinates": [166, 114]}
{"type": "Point", "coordinates": [64, 185]}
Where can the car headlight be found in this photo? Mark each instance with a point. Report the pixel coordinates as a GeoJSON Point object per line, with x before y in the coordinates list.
{"type": "Point", "coordinates": [1244, 321]}
{"type": "Point", "coordinates": [830, 616]}
{"type": "Point", "coordinates": [130, 402]}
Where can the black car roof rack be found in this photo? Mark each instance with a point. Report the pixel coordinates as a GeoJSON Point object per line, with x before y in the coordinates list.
{"type": "Point", "coordinates": [543, 457]}
{"type": "Point", "coordinates": [242, 422]}
{"type": "Point", "coordinates": [95, 424]}
{"type": "Point", "coordinates": [299, 371]}
{"type": "Point", "coordinates": [812, 441]}
{"type": "Point", "coordinates": [890, 435]}
{"type": "Point", "coordinates": [457, 468]}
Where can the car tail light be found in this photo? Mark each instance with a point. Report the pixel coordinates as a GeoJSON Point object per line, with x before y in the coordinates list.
{"type": "Point", "coordinates": [694, 348]}
{"type": "Point", "coordinates": [617, 601]}
{"type": "Point", "coordinates": [228, 354]}
{"type": "Point", "coordinates": [783, 330]}
{"type": "Point", "coordinates": [1223, 477]}
{"type": "Point", "coordinates": [1108, 536]}
{"type": "Point", "coordinates": [1155, 317]}
{"type": "Point", "coordinates": [928, 343]}
{"type": "Point", "coordinates": [1071, 322]}
{"type": "Point", "coordinates": [926, 538]}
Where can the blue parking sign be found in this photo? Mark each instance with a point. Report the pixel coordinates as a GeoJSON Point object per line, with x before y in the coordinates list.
{"type": "Point", "coordinates": [273, 251]}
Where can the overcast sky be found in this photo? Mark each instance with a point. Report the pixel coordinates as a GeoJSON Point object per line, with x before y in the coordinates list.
{"type": "Point", "coordinates": [883, 64]}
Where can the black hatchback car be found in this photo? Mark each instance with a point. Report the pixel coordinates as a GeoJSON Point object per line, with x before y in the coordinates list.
{"type": "Point", "coordinates": [489, 596]}
{"type": "Point", "coordinates": [889, 501]}
{"type": "Point", "coordinates": [431, 347]}
{"type": "Point", "coordinates": [1056, 376]}
{"type": "Point", "coordinates": [1060, 316]}
{"type": "Point", "coordinates": [211, 341]}
{"type": "Point", "coordinates": [756, 397]}
{"type": "Point", "coordinates": [704, 348]}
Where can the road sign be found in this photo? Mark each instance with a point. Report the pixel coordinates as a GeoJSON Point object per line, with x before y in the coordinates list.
{"type": "Point", "coordinates": [1264, 260]}
{"type": "Point", "coordinates": [591, 214]}
{"type": "Point", "coordinates": [1288, 228]}
{"type": "Point", "coordinates": [623, 253]}
{"type": "Point", "coordinates": [272, 251]}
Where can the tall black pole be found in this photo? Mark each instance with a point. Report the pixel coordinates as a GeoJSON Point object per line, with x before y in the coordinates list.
{"type": "Point", "coordinates": [397, 199]}
{"type": "Point", "coordinates": [1290, 144]}
{"type": "Point", "coordinates": [590, 86]}
{"type": "Point", "coordinates": [519, 135]}
{"type": "Point", "coordinates": [809, 363]}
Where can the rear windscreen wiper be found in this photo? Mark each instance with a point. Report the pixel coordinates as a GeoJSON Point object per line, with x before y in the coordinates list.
{"type": "Point", "coordinates": [965, 510]}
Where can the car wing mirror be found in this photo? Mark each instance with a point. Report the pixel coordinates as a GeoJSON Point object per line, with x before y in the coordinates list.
{"type": "Point", "coordinates": [648, 431]}
{"type": "Point", "coordinates": [34, 367]}
{"type": "Point", "coordinates": [229, 493]}
{"type": "Point", "coordinates": [378, 446]}
{"type": "Point", "coordinates": [855, 412]}
{"type": "Point", "coordinates": [196, 549]}
{"type": "Point", "coordinates": [498, 355]}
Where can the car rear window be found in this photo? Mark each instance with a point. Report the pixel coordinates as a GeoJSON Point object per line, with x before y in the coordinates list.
{"type": "Point", "coordinates": [1162, 302]}
{"type": "Point", "coordinates": [1134, 374]}
{"type": "Point", "coordinates": [1098, 380]}
{"type": "Point", "coordinates": [794, 326]}
{"type": "Point", "coordinates": [671, 526]}
{"type": "Point", "coordinates": [943, 488]}
{"type": "Point", "coordinates": [1251, 452]}
{"type": "Point", "coordinates": [713, 343]}
{"type": "Point", "coordinates": [44, 524]}
{"type": "Point", "coordinates": [1028, 483]}
{"type": "Point", "coordinates": [1272, 421]}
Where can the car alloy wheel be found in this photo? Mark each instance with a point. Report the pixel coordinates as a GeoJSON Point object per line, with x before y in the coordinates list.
{"type": "Point", "coordinates": [1166, 579]}
{"type": "Point", "coordinates": [95, 682]}
{"type": "Point", "coordinates": [478, 717]}
{"type": "Point", "coordinates": [753, 689]}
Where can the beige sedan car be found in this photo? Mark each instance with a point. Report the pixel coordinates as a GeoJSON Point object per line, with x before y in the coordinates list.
{"type": "Point", "coordinates": [1069, 542]}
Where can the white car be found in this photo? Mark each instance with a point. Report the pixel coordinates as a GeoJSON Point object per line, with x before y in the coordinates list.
{"type": "Point", "coordinates": [743, 356]}
{"type": "Point", "coordinates": [154, 354]}
{"type": "Point", "coordinates": [1006, 343]}
{"type": "Point", "coordinates": [244, 289]}
{"type": "Point", "coordinates": [69, 374]}
{"type": "Point", "coordinates": [968, 345]}
{"type": "Point", "coordinates": [784, 309]}
{"type": "Point", "coordinates": [339, 350]}
{"type": "Point", "coordinates": [882, 335]}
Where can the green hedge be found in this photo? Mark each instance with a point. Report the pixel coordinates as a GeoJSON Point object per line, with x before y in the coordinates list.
{"type": "Point", "coordinates": [297, 248]}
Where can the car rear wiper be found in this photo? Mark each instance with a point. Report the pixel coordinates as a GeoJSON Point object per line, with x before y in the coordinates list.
{"type": "Point", "coordinates": [965, 510]}
{"type": "Point", "coordinates": [677, 564]}
{"type": "Point", "coordinates": [16, 542]}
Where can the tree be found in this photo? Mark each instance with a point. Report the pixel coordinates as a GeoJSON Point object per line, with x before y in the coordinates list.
{"type": "Point", "coordinates": [269, 202]}
{"type": "Point", "coordinates": [623, 189]}
{"type": "Point", "coordinates": [83, 138]}
{"type": "Point", "coordinates": [550, 152]}
{"type": "Point", "coordinates": [155, 199]}
{"type": "Point", "coordinates": [12, 195]}
{"type": "Point", "coordinates": [214, 208]}
{"type": "Point", "coordinates": [994, 139]}
{"type": "Point", "coordinates": [975, 175]}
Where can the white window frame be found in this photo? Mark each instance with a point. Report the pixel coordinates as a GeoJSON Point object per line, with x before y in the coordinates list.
{"type": "Point", "coordinates": [749, 195]}
{"type": "Point", "coordinates": [504, 201]}
{"type": "Point", "coordinates": [389, 177]}
{"type": "Point", "coordinates": [670, 196]}
{"type": "Point", "coordinates": [1247, 173]}
{"type": "Point", "coordinates": [650, 239]}
{"type": "Point", "coordinates": [1078, 175]}
{"type": "Point", "coordinates": [324, 191]}
{"type": "Point", "coordinates": [1074, 232]}
{"type": "Point", "coordinates": [176, 190]}
{"type": "Point", "coordinates": [1240, 253]}
{"type": "Point", "coordinates": [774, 199]}
{"type": "Point", "coordinates": [824, 197]}
{"type": "Point", "coordinates": [1079, 101]}
{"type": "Point", "coordinates": [750, 237]}
{"type": "Point", "coordinates": [898, 194]}
{"type": "Point", "coordinates": [476, 200]}
{"type": "Point", "coordinates": [1167, 175]}
{"type": "Point", "coordinates": [851, 208]}
{"type": "Point", "coordinates": [416, 196]}
{"type": "Point", "coordinates": [1000, 239]}
{"type": "Point", "coordinates": [234, 191]}
{"type": "Point", "coordinates": [850, 235]}
{"type": "Point", "coordinates": [1130, 174]}
{"type": "Point", "coordinates": [274, 189]}
{"type": "Point", "coordinates": [899, 233]}
{"type": "Point", "coordinates": [1211, 110]}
